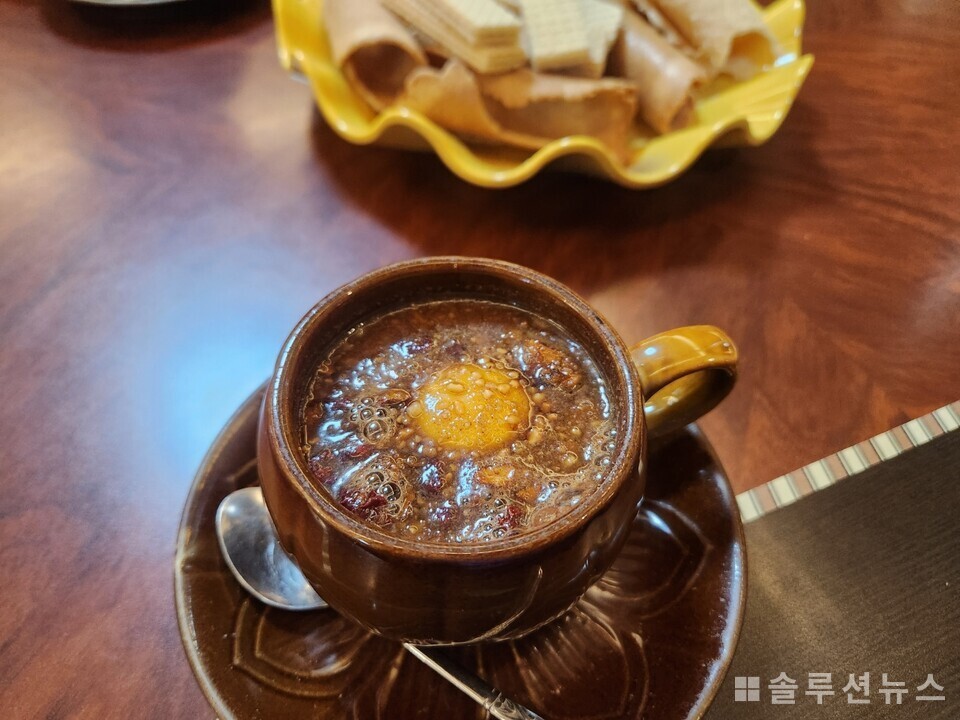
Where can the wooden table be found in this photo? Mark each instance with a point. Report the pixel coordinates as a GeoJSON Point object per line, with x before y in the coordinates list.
{"type": "Point", "coordinates": [170, 204]}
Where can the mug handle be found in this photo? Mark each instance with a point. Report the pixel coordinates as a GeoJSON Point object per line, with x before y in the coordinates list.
{"type": "Point", "coordinates": [684, 373]}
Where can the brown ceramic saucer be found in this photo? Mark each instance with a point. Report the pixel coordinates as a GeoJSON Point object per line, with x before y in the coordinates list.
{"type": "Point", "coordinates": [627, 650]}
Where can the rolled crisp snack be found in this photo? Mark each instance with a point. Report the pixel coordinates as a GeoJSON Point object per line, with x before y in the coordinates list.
{"type": "Point", "coordinates": [602, 20]}
{"type": "Point", "coordinates": [729, 35]}
{"type": "Point", "coordinates": [558, 106]}
{"type": "Point", "coordinates": [372, 47]}
{"type": "Point", "coordinates": [451, 98]}
{"type": "Point", "coordinates": [651, 13]}
{"type": "Point", "coordinates": [664, 76]}
{"type": "Point", "coordinates": [523, 108]}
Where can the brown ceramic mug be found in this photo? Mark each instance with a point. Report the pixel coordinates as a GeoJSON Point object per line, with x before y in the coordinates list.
{"type": "Point", "coordinates": [430, 593]}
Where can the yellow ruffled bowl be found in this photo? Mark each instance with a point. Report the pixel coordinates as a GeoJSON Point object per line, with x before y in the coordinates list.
{"type": "Point", "coordinates": [744, 113]}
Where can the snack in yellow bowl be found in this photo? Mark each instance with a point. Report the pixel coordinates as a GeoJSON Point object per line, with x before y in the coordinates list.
{"type": "Point", "coordinates": [671, 86]}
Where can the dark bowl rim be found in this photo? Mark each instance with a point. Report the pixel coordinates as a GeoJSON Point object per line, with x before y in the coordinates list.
{"type": "Point", "coordinates": [282, 428]}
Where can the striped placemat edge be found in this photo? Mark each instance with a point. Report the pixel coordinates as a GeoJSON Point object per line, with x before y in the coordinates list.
{"type": "Point", "coordinates": [787, 489]}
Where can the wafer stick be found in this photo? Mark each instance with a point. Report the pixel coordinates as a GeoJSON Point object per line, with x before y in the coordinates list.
{"type": "Point", "coordinates": [555, 33]}
{"type": "Point", "coordinates": [483, 22]}
{"type": "Point", "coordinates": [602, 20]}
{"type": "Point", "coordinates": [486, 58]}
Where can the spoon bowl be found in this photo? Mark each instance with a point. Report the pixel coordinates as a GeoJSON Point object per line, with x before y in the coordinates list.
{"type": "Point", "coordinates": [250, 547]}
{"type": "Point", "coordinates": [249, 544]}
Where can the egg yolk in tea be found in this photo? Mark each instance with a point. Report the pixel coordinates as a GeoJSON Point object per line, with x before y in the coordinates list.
{"type": "Point", "coordinates": [469, 407]}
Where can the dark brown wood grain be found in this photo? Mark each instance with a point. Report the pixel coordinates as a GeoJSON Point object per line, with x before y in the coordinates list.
{"type": "Point", "coordinates": [170, 204]}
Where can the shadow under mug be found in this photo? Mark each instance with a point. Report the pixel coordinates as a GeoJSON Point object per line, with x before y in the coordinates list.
{"type": "Point", "coordinates": [430, 593]}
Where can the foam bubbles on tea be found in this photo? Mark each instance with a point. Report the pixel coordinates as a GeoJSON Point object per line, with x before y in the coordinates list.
{"type": "Point", "coordinates": [460, 421]}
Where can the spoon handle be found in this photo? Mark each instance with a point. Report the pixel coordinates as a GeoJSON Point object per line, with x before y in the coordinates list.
{"type": "Point", "coordinates": [492, 700]}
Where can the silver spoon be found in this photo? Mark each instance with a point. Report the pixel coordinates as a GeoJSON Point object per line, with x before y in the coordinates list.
{"type": "Point", "coordinates": [252, 551]}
